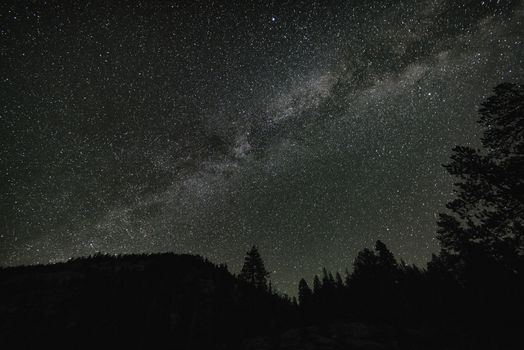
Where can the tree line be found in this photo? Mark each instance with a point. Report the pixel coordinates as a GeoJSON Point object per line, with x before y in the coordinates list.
{"type": "Point", "coordinates": [476, 279]}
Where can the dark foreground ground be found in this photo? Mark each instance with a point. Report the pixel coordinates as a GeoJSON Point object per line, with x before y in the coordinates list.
{"type": "Point", "coordinates": [185, 302]}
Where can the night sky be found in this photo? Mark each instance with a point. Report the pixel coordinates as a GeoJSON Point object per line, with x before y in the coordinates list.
{"type": "Point", "coordinates": [308, 128]}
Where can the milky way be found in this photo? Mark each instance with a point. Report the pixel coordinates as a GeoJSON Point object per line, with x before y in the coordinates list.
{"type": "Point", "coordinates": [311, 129]}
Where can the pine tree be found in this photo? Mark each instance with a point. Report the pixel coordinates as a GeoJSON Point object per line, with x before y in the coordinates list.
{"type": "Point", "coordinates": [385, 256]}
{"type": "Point", "coordinates": [339, 282]}
{"type": "Point", "coordinates": [317, 286]}
{"type": "Point", "coordinates": [378, 267]}
{"type": "Point", "coordinates": [328, 282]}
{"type": "Point", "coordinates": [304, 293]}
{"type": "Point", "coordinates": [365, 264]}
{"type": "Point", "coordinates": [254, 271]}
{"type": "Point", "coordinates": [485, 222]}
{"type": "Point", "coordinates": [374, 283]}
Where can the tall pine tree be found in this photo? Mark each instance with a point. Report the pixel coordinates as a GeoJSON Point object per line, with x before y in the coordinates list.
{"type": "Point", "coordinates": [253, 270]}
{"type": "Point", "coordinates": [304, 293]}
{"type": "Point", "coordinates": [485, 222]}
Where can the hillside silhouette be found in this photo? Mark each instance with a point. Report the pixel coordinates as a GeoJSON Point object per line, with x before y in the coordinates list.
{"type": "Point", "coordinates": [136, 301]}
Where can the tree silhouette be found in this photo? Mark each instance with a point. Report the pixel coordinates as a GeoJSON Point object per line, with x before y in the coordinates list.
{"type": "Point", "coordinates": [485, 221]}
{"type": "Point", "coordinates": [374, 282]}
{"type": "Point", "coordinates": [328, 282]}
{"type": "Point", "coordinates": [386, 259]}
{"type": "Point", "coordinates": [317, 286]}
{"type": "Point", "coordinates": [304, 293]}
{"type": "Point", "coordinates": [365, 265]}
{"type": "Point", "coordinates": [339, 282]}
{"type": "Point", "coordinates": [254, 271]}
{"type": "Point", "coordinates": [479, 269]}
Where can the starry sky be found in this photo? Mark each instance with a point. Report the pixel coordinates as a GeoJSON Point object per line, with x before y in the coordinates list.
{"type": "Point", "coordinates": [308, 128]}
